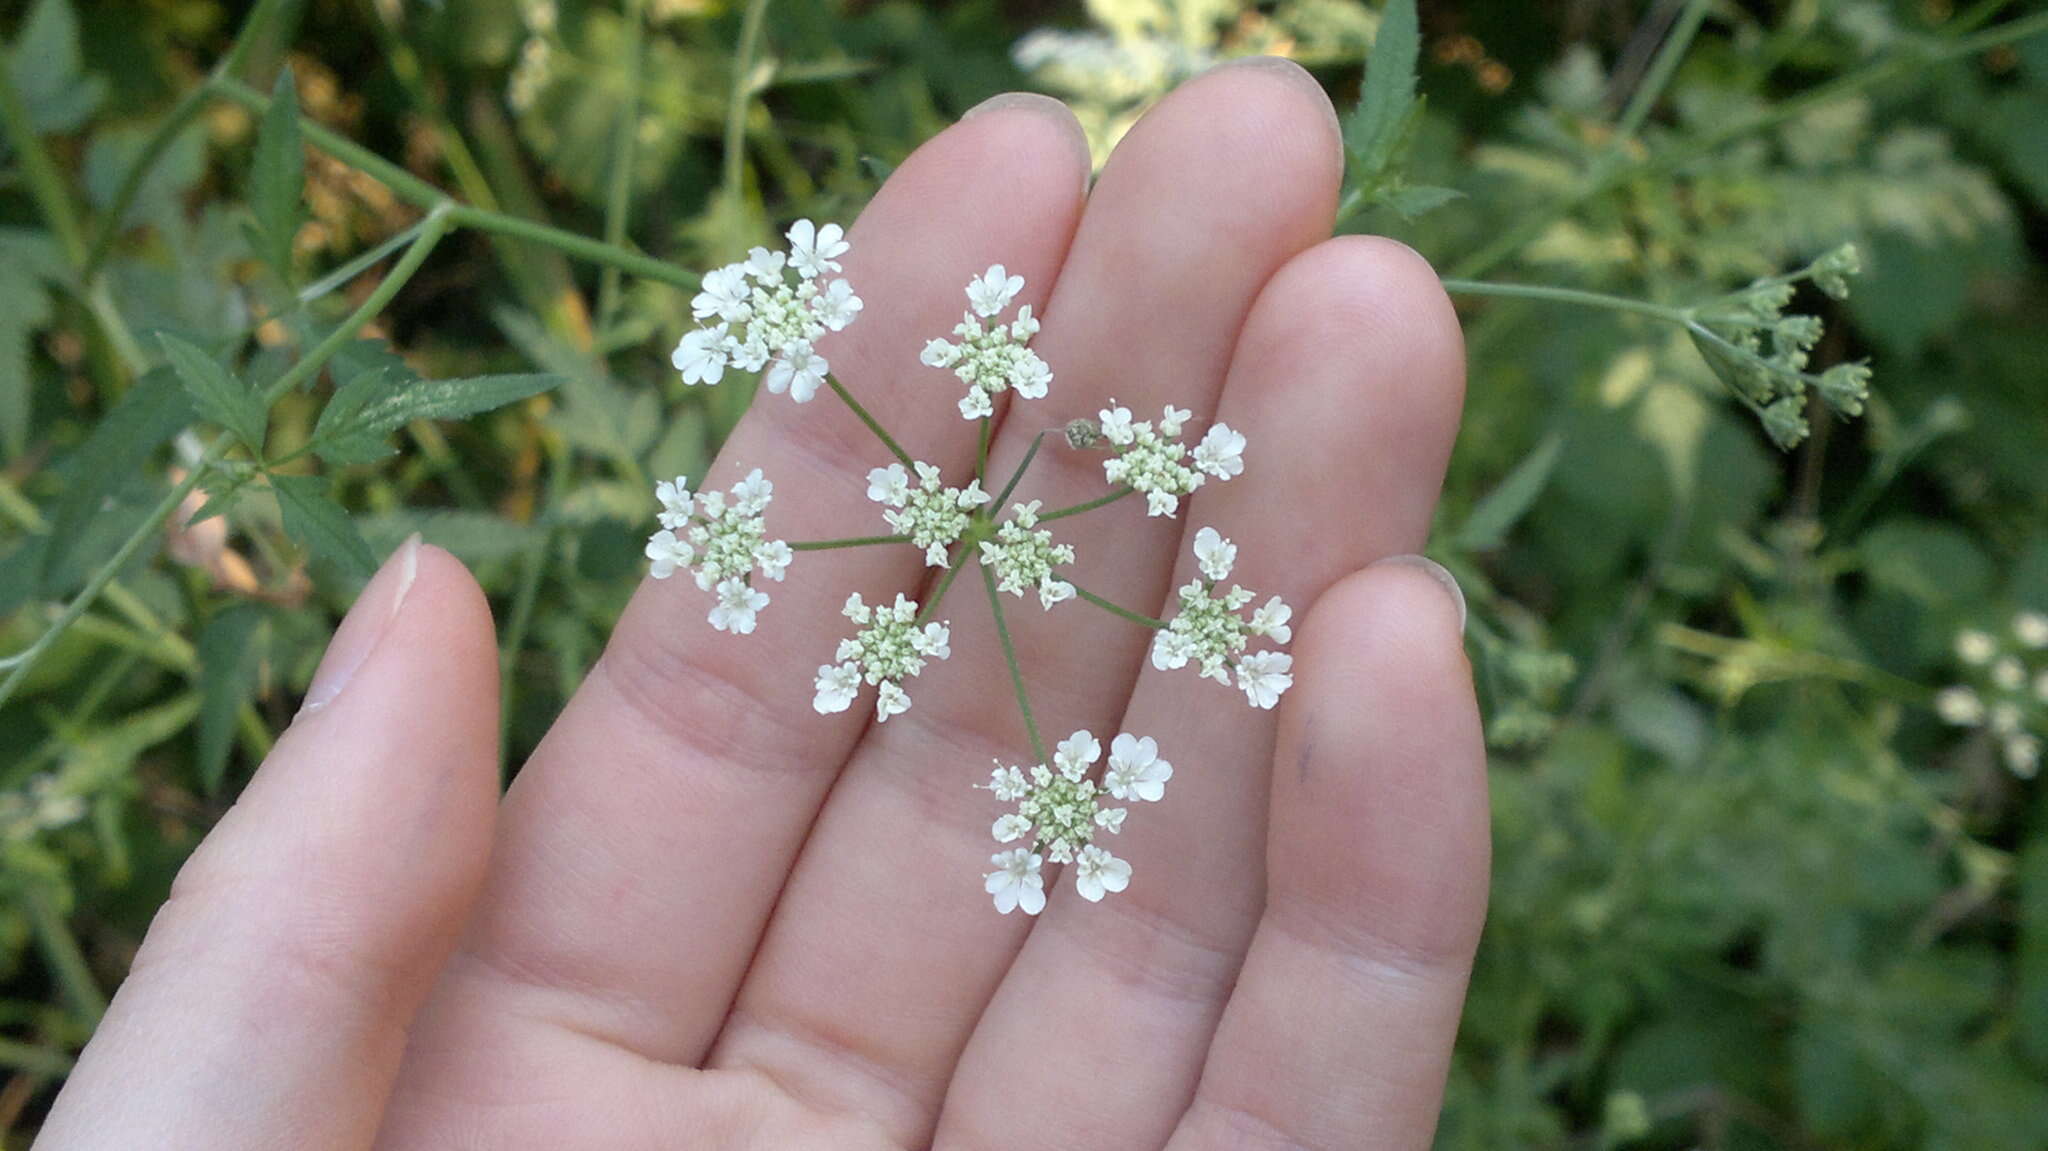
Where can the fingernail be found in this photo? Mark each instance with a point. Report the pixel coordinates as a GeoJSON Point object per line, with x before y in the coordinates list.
{"type": "Point", "coordinates": [1301, 78]}
{"type": "Point", "coordinates": [1435, 571]}
{"type": "Point", "coordinates": [1045, 106]}
{"type": "Point", "coordinates": [364, 625]}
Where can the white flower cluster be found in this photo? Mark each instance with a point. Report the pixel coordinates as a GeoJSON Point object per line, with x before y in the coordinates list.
{"type": "Point", "coordinates": [1210, 632]}
{"type": "Point", "coordinates": [764, 319]}
{"type": "Point", "coordinates": [933, 515]}
{"type": "Point", "coordinates": [992, 358]}
{"type": "Point", "coordinates": [1059, 810]}
{"type": "Point", "coordinates": [1151, 458]}
{"type": "Point", "coordinates": [723, 539]}
{"type": "Point", "coordinates": [2010, 693]}
{"type": "Point", "coordinates": [41, 805]}
{"type": "Point", "coordinates": [889, 648]}
{"type": "Point", "coordinates": [1023, 556]}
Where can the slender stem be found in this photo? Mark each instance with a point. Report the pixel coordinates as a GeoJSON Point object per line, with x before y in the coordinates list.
{"type": "Point", "coordinates": [1114, 609]}
{"type": "Point", "coordinates": [958, 560]}
{"type": "Point", "coordinates": [1091, 505]}
{"type": "Point", "coordinates": [18, 665]}
{"type": "Point", "coordinates": [45, 183]}
{"type": "Point", "coordinates": [742, 94]}
{"type": "Point", "coordinates": [67, 962]}
{"type": "Point", "coordinates": [1023, 465]}
{"type": "Point", "coordinates": [582, 247]}
{"type": "Point", "coordinates": [995, 604]}
{"type": "Point", "coordinates": [1558, 295]}
{"type": "Point", "coordinates": [1662, 68]}
{"type": "Point", "coordinates": [181, 115]}
{"type": "Point", "coordinates": [851, 542]}
{"type": "Point", "coordinates": [32, 1060]}
{"type": "Point", "coordinates": [422, 194]}
{"type": "Point", "coordinates": [1611, 176]}
{"type": "Point", "coordinates": [438, 224]}
{"type": "Point", "coordinates": [981, 452]}
{"type": "Point", "coordinates": [625, 131]}
{"type": "Point", "coordinates": [363, 263]}
{"type": "Point", "coordinates": [874, 425]}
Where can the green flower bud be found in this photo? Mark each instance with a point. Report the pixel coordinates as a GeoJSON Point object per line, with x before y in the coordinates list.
{"type": "Point", "coordinates": [1845, 387]}
{"type": "Point", "coordinates": [1831, 272]}
{"type": "Point", "coordinates": [1785, 422]}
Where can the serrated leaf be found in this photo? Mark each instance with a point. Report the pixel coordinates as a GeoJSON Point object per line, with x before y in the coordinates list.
{"type": "Point", "coordinates": [321, 525]}
{"type": "Point", "coordinates": [215, 392]}
{"type": "Point", "coordinates": [1373, 131]}
{"type": "Point", "coordinates": [371, 406]}
{"type": "Point", "coordinates": [277, 177]}
{"type": "Point", "coordinates": [227, 661]}
{"type": "Point", "coordinates": [49, 71]}
{"type": "Point", "coordinates": [1412, 200]}
{"type": "Point", "coordinates": [1503, 507]}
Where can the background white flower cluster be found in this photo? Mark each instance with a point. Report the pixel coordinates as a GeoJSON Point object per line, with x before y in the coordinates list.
{"type": "Point", "coordinates": [2007, 689]}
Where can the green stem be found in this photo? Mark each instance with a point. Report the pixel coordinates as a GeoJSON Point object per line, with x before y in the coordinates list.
{"type": "Point", "coordinates": [1091, 505]}
{"type": "Point", "coordinates": [29, 1059]}
{"type": "Point", "coordinates": [1612, 176]}
{"type": "Point", "coordinates": [981, 452]}
{"type": "Point", "coordinates": [533, 567]}
{"type": "Point", "coordinates": [1557, 295]}
{"type": "Point", "coordinates": [18, 665]}
{"type": "Point", "coordinates": [619, 194]}
{"type": "Point", "coordinates": [181, 115]}
{"type": "Point", "coordinates": [1114, 609]}
{"type": "Point", "coordinates": [1662, 68]}
{"type": "Point", "coordinates": [874, 425]}
{"type": "Point", "coordinates": [438, 224]}
{"type": "Point", "coordinates": [339, 277]}
{"type": "Point", "coordinates": [851, 542]}
{"type": "Point", "coordinates": [958, 560]}
{"type": "Point", "coordinates": [422, 194]}
{"type": "Point", "coordinates": [995, 604]}
{"type": "Point", "coordinates": [68, 967]}
{"type": "Point", "coordinates": [1017, 476]}
{"type": "Point", "coordinates": [742, 94]}
{"type": "Point", "coordinates": [45, 183]}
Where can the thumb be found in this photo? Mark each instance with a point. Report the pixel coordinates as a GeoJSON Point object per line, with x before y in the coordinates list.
{"type": "Point", "coordinates": [268, 1005]}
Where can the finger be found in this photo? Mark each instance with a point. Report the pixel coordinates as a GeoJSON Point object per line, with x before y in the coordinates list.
{"type": "Point", "coordinates": [644, 843]}
{"type": "Point", "coordinates": [1217, 187]}
{"type": "Point", "coordinates": [1347, 385]}
{"type": "Point", "coordinates": [1339, 1032]}
{"type": "Point", "coordinates": [269, 1003]}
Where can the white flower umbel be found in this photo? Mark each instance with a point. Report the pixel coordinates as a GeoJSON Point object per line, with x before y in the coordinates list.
{"type": "Point", "coordinates": [722, 539]}
{"type": "Point", "coordinates": [990, 357]}
{"type": "Point", "coordinates": [768, 312]}
{"type": "Point", "coordinates": [1211, 632]}
{"type": "Point", "coordinates": [1060, 812]}
{"type": "Point", "coordinates": [889, 648]}
{"type": "Point", "coordinates": [2005, 691]}
{"type": "Point", "coordinates": [1023, 556]}
{"type": "Point", "coordinates": [933, 515]}
{"type": "Point", "coordinates": [1151, 459]}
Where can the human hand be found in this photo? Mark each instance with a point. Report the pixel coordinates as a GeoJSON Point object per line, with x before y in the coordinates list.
{"type": "Point", "coordinates": [706, 917]}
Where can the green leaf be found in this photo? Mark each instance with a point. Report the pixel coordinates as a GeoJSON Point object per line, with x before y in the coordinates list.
{"type": "Point", "coordinates": [153, 411]}
{"type": "Point", "coordinates": [24, 307]}
{"type": "Point", "coordinates": [227, 663]}
{"type": "Point", "coordinates": [1380, 132]}
{"type": "Point", "coordinates": [1373, 132]}
{"type": "Point", "coordinates": [216, 393]}
{"type": "Point", "coordinates": [369, 407]}
{"type": "Point", "coordinates": [1503, 507]}
{"type": "Point", "coordinates": [277, 178]}
{"type": "Point", "coordinates": [50, 72]}
{"type": "Point", "coordinates": [321, 525]}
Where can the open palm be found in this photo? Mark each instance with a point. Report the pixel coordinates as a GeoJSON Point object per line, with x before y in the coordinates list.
{"type": "Point", "coordinates": [706, 916]}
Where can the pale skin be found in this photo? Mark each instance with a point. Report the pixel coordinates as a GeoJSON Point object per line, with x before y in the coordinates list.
{"type": "Point", "coordinates": [706, 917]}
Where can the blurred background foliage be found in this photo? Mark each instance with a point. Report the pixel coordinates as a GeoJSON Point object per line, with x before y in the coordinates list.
{"type": "Point", "coordinates": [1753, 887]}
